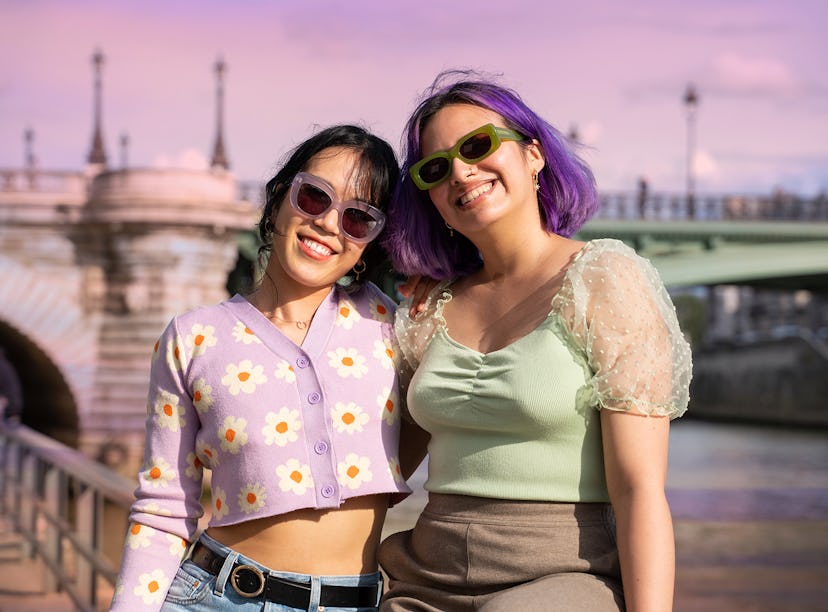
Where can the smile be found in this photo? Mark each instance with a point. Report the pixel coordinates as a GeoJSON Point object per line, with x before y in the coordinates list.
{"type": "Point", "coordinates": [475, 193]}
{"type": "Point", "coordinates": [316, 247]}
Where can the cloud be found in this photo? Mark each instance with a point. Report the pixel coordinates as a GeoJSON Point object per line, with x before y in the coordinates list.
{"type": "Point", "coordinates": [751, 76]}
{"type": "Point", "coordinates": [189, 159]}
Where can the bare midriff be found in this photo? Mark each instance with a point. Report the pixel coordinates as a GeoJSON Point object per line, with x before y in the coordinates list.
{"type": "Point", "coordinates": [338, 541]}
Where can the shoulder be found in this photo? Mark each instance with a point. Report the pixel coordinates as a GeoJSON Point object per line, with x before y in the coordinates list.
{"type": "Point", "coordinates": [369, 301]}
{"type": "Point", "coordinates": [609, 261]}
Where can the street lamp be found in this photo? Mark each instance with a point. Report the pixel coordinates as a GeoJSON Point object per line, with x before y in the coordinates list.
{"type": "Point", "coordinates": [691, 102]}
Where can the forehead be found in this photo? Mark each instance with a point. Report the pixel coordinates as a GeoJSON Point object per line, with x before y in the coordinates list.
{"type": "Point", "coordinates": [340, 167]}
{"type": "Point", "coordinates": [451, 123]}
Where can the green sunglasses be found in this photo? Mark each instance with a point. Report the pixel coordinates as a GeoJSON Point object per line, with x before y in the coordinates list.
{"type": "Point", "coordinates": [471, 148]}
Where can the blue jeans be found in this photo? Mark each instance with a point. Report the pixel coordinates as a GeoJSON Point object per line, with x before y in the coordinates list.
{"type": "Point", "coordinates": [196, 590]}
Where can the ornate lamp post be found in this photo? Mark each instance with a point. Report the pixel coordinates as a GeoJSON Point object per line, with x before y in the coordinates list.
{"type": "Point", "coordinates": [219, 155]}
{"type": "Point", "coordinates": [97, 155]}
{"type": "Point", "coordinates": [691, 103]}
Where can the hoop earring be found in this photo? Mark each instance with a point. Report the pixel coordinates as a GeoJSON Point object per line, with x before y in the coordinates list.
{"type": "Point", "coordinates": [269, 226]}
{"type": "Point", "coordinates": [359, 268]}
{"type": "Point", "coordinates": [451, 230]}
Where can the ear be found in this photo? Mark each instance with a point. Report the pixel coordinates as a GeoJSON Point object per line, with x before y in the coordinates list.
{"type": "Point", "coordinates": [534, 156]}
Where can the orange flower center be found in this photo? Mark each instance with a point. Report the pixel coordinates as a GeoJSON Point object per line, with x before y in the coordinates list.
{"type": "Point", "coordinates": [168, 410]}
{"type": "Point", "coordinates": [347, 361]}
{"type": "Point", "coordinates": [389, 406]}
{"type": "Point", "coordinates": [344, 311]}
{"type": "Point", "coordinates": [199, 339]}
{"type": "Point", "coordinates": [296, 476]}
{"type": "Point", "coordinates": [197, 396]}
{"type": "Point", "coordinates": [243, 376]}
{"type": "Point", "coordinates": [153, 586]}
{"type": "Point", "coordinates": [381, 309]}
{"type": "Point", "coordinates": [155, 473]}
{"type": "Point", "coordinates": [281, 427]}
{"type": "Point", "coordinates": [135, 529]}
{"type": "Point", "coordinates": [251, 498]}
{"type": "Point", "coordinates": [348, 418]}
{"type": "Point", "coordinates": [352, 471]}
{"type": "Point", "coordinates": [230, 435]}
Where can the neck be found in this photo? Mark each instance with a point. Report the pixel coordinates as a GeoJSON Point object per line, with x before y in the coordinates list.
{"type": "Point", "coordinates": [284, 303]}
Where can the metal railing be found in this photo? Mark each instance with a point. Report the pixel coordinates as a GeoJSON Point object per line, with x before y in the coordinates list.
{"type": "Point", "coordinates": [55, 498]}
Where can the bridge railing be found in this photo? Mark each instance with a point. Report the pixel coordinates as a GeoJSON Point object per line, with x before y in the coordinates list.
{"type": "Point", "coordinates": [55, 498]}
{"type": "Point", "coordinates": [665, 206]}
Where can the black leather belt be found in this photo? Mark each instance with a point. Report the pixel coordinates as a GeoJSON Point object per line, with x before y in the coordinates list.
{"type": "Point", "coordinates": [250, 581]}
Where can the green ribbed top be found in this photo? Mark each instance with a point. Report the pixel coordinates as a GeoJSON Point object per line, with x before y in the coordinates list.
{"type": "Point", "coordinates": [523, 422]}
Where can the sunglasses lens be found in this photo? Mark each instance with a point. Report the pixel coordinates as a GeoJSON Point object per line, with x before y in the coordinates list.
{"type": "Point", "coordinates": [435, 170]}
{"type": "Point", "coordinates": [358, 223]}
{"type": "Point", "coordinates": [476, 147]}
{"type": "Point", "coordinates": [312, 200]}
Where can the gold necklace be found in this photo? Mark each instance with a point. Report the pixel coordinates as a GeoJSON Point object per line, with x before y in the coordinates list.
{"type": "Point", "coordinates": [299, 324]}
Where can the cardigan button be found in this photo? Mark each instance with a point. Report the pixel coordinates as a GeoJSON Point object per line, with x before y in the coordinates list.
{"type": "Point", "coordinates": [314, 397]}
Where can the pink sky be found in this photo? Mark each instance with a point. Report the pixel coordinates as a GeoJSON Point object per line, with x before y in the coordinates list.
{"type": "Point", "coordinates": [615, 70]}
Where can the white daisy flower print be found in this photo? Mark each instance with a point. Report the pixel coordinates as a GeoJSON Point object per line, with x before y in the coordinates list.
{"type": "Point", "coordinates": [158, 472]}
{"type": "Point", "coordinates": [195, 468]}
{"type": "Point", "coordinates": [281, 427]}
{"type": "Point", "coordinates": [178, 546]}
{"type": "Point", "coordinates": [200, 338]}
{"type": "Point", "coordinates": [169, 414]}
{"type": "Point", "coordinates": [348, 418]}
{"type": "Point", "coordinates": [346, 314]}
{"type": "Point", "coordinates": [153, 508]}
{"type": "Point", "coordinates": [354, 471]}
{"type": "Point", "coordinates": [243, 377]}
{"type": "Point", "coordinates": [232, 434]}
{"type": "Point", "coordinates": [220, 508]}
{"type": "Point", "coordinates": [386, 354]}
{"type": "Point", "coordinates": [380, 312]}
{"type": "Point", "coordinates": [156, 350]}
{"type": "Point", "coordinates": [285, 371]}
{"type": "Point", "coordinates": [252, 498]}
{"type": "Point", "coordinates": [244, 334]}
{"type": "Point", "coordinates": [152, 587]}
{"type": "Point", "coordinates": [202, 395]}
{"type": "Point", "coordinates": [208, 455]}
{"type": "Point", "coordinates": [347, 362]}
{"type": "Point", "coordinates": [139, 536]}
{"type": "Point", "coordinates": [295, 477]}
{"type": "Point", "coordinates": [395, 470]}
{"type": "Point", "coordinates": [388, 402]}
{"type": "Point", "coordinates": [176, 357]}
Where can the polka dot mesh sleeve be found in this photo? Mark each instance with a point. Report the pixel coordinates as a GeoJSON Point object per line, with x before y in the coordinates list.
{"type": "Point", "coordinates": [413, 335]}
{"type": "Point", "coordinates": [615, 306]}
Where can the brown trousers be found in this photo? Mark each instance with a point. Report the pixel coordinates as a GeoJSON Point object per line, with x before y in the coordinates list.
{"type": "Point", "coordinates": [471, 554]}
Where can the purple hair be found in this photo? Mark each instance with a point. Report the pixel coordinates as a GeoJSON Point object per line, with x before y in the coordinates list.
{"type": "Point", "coordinates": [417, 238]}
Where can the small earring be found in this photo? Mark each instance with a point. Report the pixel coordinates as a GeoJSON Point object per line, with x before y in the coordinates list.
{"type": "Point", "coordinates": [359, 268]}
{"type": "Point", "coordinates": [535, 178]}
{"type": "Point", "coordinates": [451, 230]}
{"type": "Point", "coordinates": [269, 226]}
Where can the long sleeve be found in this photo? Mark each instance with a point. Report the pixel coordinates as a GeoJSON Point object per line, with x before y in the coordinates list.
{"type": "Point", "coordinates": [164, 516]}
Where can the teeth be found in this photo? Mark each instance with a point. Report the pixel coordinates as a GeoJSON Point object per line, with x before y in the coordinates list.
{"type": "Point", "coordinates": [316, 247]}
{"type": "Point", "coordinates": [476, 193]}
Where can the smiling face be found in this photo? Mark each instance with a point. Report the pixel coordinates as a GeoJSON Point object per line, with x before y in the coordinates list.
{"type": "Point", "coordinates": [314, 252]}
{"type": "Point", "coordinates": [476, 195]}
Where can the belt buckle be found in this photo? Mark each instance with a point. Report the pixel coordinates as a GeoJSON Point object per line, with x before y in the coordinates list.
{"type": "Point", "coordinates": [244, 579]}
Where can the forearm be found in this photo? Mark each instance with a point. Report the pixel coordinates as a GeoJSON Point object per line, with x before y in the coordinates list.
{"type": "Point", "coordinates": [646, 548]}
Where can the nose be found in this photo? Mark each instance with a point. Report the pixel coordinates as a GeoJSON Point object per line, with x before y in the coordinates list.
{"type": "Point", "coordinates": [329, 221]}
{"type": "Point", "coordinates": [460, 170]}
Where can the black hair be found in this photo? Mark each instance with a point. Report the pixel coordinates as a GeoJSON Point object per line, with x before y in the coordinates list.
{"type": "Point", "coordinates": [377, 176]}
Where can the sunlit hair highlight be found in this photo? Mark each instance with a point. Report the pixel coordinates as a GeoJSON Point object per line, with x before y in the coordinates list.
{"type": "Point", "coordinates": [416, 236]}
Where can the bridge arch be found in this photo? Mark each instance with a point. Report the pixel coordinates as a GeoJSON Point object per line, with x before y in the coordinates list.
{"type": "Point", "coordinates": [51, 343]}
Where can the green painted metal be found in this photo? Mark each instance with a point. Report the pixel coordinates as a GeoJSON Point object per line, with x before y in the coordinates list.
{"type": "Point", "coordinates": [706, 253]}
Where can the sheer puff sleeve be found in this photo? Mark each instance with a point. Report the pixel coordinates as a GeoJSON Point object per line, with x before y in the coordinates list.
{"type": "Point", "coordinates": [618, 311]}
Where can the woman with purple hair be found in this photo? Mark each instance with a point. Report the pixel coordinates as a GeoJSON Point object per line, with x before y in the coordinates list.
{"type": "Point", "coordinates": [543, 373]}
